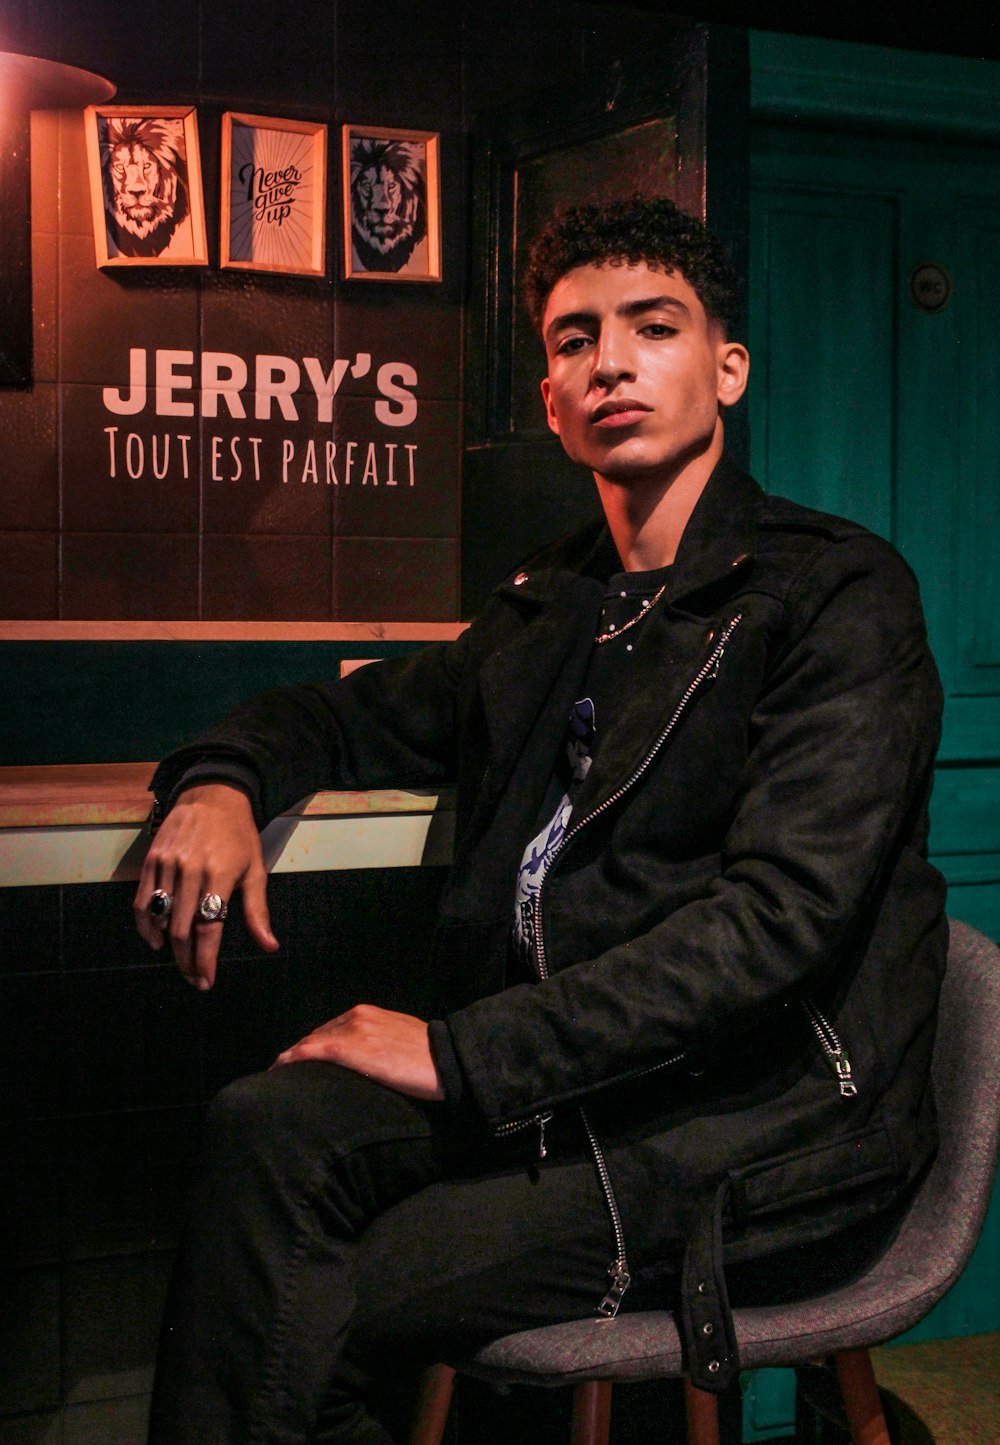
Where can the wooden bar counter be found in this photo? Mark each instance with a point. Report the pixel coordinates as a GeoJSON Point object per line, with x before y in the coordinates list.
{"type": "Point", "coordinates": [86, 823]}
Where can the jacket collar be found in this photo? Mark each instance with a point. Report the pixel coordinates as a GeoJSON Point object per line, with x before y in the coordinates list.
{"type": "Point", "coordinates": [720, 537]}
{"type": "Point", "coordinates": [721, 534]}
{"type": "Point", "coordinates": [528, 686]}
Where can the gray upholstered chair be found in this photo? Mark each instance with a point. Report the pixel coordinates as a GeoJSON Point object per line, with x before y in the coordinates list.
{"type": "Point", "coordinates": [932, 1248]}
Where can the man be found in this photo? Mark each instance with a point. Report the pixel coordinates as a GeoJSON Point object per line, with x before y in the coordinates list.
{"type": "Point", "coordinates": [690, 948]}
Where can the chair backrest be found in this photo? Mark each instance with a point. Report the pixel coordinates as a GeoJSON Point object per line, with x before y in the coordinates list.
{"type": "Point", "coordinates": [966, 1073]}
{"type": "Point", "coordinates": [934, 1243]}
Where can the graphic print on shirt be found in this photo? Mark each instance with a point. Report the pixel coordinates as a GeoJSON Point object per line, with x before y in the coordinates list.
{"type": "Point", "coordinates": [579, 747]}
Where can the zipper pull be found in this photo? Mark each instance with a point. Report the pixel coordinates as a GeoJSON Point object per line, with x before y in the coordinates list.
{"type": "Point", "coordinates": [619, 1280]}
{"type": "Point", "coordinates": [842, 1068]}
{"type": "Point", "coordinates": [727, 632]}
{"type": "Point", "coordinates": [541, 1120]}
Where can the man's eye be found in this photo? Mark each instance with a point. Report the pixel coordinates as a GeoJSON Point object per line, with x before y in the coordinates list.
{"type": "Point", "coordinates": [658, 329]}
{"type": "Point", "coordinates": [572, 344]}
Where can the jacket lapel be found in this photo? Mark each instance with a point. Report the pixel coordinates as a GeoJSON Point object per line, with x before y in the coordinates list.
{"type": "Point", "coordinates": [528, 686]}
{"type": "Point", "coordinates": [668, 654]}
{"type": "Point", "coordinates": [677, 638]}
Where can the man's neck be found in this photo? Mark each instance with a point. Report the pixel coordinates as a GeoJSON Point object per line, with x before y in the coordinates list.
{"type": "Point", "coordinates": [647, 517]}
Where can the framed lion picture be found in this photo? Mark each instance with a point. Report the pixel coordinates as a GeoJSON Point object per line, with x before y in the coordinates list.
{"type": "Point", "coordinates": [145, 185]}
{"type": "Point", "coordinates": [392, 204]}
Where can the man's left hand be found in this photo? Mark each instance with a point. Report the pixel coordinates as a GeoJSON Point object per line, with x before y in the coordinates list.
{"type": "Point", "coordinates": [391, 1048]}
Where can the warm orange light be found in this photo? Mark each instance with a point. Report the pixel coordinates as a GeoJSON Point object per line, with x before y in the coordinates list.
{"type": "Point", "coordinates": [27, 82]}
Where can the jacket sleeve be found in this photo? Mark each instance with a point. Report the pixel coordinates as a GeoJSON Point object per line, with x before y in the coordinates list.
{"type": "Point", "coordinates": [391, 724]}
{"type": "Point", "coordinates": [841, 742]}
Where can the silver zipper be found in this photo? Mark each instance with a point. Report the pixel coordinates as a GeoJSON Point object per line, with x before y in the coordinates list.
{"type": "Point", "coordinates": [619, 1277]}
{"type": "Point", "coordinates": [833, 1050]}
{"type": "Point", "coordinates": [517, 1125]}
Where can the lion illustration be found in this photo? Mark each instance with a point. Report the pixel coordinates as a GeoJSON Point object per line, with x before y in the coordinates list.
{"type": "Point", "coordinates": [388, 202]}
{"type": "Point", "coordinates": [145, 183]}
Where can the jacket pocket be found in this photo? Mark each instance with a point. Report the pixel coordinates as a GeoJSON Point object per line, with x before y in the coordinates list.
{"type": "Point", "coordinates": [803, 1179]}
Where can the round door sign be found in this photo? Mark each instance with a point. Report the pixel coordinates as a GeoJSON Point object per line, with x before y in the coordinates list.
{"type": "Point", "coordinates": [930, 286]}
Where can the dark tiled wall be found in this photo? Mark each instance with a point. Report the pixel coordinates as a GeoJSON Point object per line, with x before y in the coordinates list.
{"type": "Point", "coordinates": [105, 701]}
{"type": "Point", "coordinates": [87, 527]}
{"type": "Point", "coordinates": [76, 542]}
{"type": "Point", "coordinates": [108, 1059]}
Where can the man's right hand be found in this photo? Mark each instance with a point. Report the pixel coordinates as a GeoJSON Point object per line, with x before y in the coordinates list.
{"type": "Point", "coordinates": [208, 843]}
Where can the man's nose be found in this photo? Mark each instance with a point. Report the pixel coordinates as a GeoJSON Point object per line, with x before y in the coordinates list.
{"type": "Point", "coordinates": [612, 358]}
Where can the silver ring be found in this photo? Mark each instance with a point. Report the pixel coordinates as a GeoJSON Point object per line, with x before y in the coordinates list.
{"type": "Point", "coordinates": [211, 909]}
{"type": "Point", "coordinates": [160, 903]}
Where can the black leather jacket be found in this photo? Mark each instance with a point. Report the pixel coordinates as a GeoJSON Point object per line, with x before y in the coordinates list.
{"type": "Point", "coordinates": [742, 937]}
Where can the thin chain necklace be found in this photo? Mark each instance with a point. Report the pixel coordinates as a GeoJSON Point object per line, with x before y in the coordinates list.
{"type": "Point", "coordinates": [647, 607]}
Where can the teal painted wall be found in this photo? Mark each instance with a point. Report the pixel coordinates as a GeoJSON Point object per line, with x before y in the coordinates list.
{"type": "Point", "coordinates": [865, 404]}
{"type": "Point", "coordinates": [865, 164]}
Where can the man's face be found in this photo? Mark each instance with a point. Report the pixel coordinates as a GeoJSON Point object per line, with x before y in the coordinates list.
{"type": "Point", "coordinates": [636, 373]}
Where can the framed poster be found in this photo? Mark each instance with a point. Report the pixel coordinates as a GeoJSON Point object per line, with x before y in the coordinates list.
{"type": "Point", "coordinates": [273, 195]}
{"type": "Point", "coordinates": [145, 185]}
{"type": "Point", "coordinates": [392, 204]}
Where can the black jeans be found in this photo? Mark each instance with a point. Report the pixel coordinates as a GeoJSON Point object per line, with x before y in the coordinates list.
{"type": "Point", "coordinates": [340, 1235]}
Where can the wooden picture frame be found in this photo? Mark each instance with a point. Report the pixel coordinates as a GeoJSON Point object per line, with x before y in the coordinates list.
{"type": "Point", "coordinates": [145, 185]}
{"type": "Point", "coordinates": [391, 204]}
{"type": "Point", "coordinates": [273, 195]}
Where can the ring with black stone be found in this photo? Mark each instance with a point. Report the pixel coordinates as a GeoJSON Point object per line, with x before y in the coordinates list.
{"type": "Point", "coordinates": [160, 903]}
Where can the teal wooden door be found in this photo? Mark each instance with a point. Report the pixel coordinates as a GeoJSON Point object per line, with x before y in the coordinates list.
{"type": "Point", "coordinates": [875, 345]}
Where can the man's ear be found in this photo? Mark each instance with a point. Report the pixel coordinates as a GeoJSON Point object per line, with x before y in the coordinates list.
{"type": "Point", "coordinates": [550, 412]}
{"type": "Point", "coordinates": [733, 362]}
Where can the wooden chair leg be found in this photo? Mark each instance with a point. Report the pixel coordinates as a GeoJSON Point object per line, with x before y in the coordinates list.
{"type": "Point", "coordinates": [592, 1412]}
{"type": "Point", "coordinates": [433, 1403]}
{"type": "Point", "coordinates": [702, 1410]}
{"type": "Point", "coordinates": [865, 1415]}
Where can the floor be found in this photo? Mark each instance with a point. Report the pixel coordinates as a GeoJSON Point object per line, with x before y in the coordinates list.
{"type": "Point", "coordinates": [949, 1389]}
{"type": "Point", "coordinates": [938, 1392]}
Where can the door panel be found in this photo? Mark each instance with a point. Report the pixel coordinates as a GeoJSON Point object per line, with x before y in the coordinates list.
{"type": "Point", "coordinates": [822, 412]}
{"type": "Point", "coordinates": [654, 102]}
{"type": "Point", "coordinates": [978, 650]}
{"type": "Point", "coordinates": [868, 403]}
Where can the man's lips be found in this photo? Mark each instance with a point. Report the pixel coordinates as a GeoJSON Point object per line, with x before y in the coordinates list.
{"type": "Point", "coordinates": [623, 412]}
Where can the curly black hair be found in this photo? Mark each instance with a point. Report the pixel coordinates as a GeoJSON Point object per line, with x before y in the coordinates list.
{"type": "Point", "coordinates": [628, 230]}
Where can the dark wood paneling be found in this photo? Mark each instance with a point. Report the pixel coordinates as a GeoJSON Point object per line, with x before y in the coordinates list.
{"type": "Point", "coordinates": [648, 115]}
{"type": "Point", "coordinates": [15, 253]}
